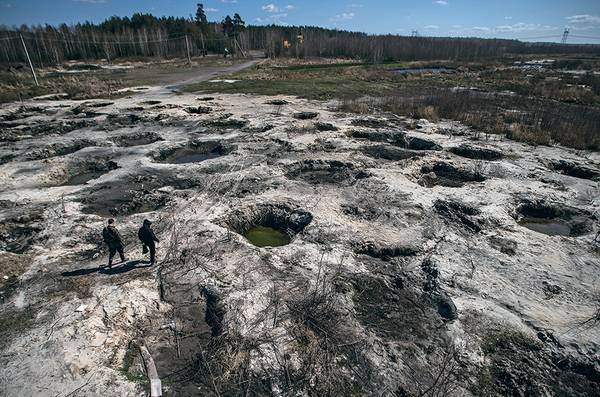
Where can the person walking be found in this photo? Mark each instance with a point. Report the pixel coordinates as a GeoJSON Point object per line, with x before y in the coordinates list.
{"type": "Point", "coordinates": [148, 239]}
{"type": "Point", "coordinates": [113, 239]}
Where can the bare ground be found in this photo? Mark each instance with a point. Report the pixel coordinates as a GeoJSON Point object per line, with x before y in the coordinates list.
{"type": "Point", "coordinates": [409, 272]}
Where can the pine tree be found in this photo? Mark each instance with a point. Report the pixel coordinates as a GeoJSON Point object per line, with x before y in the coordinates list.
{"type": "Point", "coordinates": [201, 19]}
{"type": "Point", "coordinates": [238, 24]}
{"type": "Point", "coordinates": [228, 28]}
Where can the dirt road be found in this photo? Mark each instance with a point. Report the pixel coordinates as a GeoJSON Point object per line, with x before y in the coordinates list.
{"type": "Point", "coordinates": [208, 73]}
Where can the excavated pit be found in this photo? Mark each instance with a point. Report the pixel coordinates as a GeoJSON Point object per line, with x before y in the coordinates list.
{"type": "Point", "coordinates": [553, 219]}
{"type": "Point", "coordinates": [388, 152]}
{"type": "Point", "coordinates": [59, 149]}
{"type": "Point", "coordinates": [325, 127]}
{"type": "Point", "coordinates": [91, 171]}
{"type": "Point", "coordinates": [448, 175]}
{"type": "Point", "coordinates": [55, 127]}
{"type": "Point", "coordinates": [193, 152]}
{"type": "Point", "coordinates": [227, 122]}
{"type": "Point", "coordinates": [305, 115]}
{"type": "Point", "coordinates": [138, 139]}
{"type": "Point", "coordinates": [326, 172]}
{"type": "Point", "coordinates": [386, 252]}
{"type": "Point", "coordinates": [575, 170]}
{"type": "Point", "coordinates": [460, 213]}
{"type": "Point", "coordinates": [394, 312]}
{"type": "Point", "coordinates": [18, 232]}
{"type": "Point", "coordinates": [196, 319]}
{"type": "Point", "coordinates": [269, 225]}
{"type": "Point", "coordinates": [198, 109]}
{"type": "Point", "coordinates": [476, 153]}
{"type": "Point", "coordinates": [395, 138]}
{"type": "Point", "coordinates": [369, 123]}
{"type": "Point", "coordinates": [415, 143]}
{"type": "Point", "coordinates": [89, 108]}
{"type": "Point", "coordinates": [134, 195]}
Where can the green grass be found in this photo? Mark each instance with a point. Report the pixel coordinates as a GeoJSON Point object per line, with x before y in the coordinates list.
{"type": "Point", "coordinates": [308, 81]}
{"type": "Point", "coordinates": [128, 359]}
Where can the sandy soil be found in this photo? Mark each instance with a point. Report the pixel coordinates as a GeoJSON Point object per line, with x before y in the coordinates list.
{"type": "Point", "coordinates": [408, 271]}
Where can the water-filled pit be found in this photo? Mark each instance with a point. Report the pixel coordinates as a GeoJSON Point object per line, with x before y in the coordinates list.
{"type": "Point", "coordinates": [269, 225]}
{"type": "Point", "coordinates": [264, 236]}
{"type": "Point", "coordinates": [553, 220]}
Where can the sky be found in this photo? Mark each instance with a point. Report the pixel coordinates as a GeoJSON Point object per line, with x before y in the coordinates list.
{"type": "Point", "coordinates": [530, 20]}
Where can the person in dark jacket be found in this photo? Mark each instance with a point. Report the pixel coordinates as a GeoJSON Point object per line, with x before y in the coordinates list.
{"type": "Point", "coordinates": [113, 239]}
{"type": "Point", "coordinates": [148, 239]}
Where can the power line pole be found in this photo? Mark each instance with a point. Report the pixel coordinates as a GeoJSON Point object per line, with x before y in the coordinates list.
{"type": "Point", "coordinates": [565, 36]}
{"type": "Point", "coordinates": [187, 46]}
{"type": "Point", "coordinates": [29, 60]}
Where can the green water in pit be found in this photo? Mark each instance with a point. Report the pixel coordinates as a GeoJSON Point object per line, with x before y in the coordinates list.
{"type": "Point", "coordinates": [263, 236]}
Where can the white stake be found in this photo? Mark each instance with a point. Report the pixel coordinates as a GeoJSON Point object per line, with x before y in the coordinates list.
{"type": "Point", "coordinates": [29, 60]}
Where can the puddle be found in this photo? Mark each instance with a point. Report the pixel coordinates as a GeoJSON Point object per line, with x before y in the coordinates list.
{"type": "Point", "coordinates": [550, 227]}
{"type": "Point", "coordinates": [554, 219]}
{"type": "Point", "coordinates": [409, 71]}
{"type": "Point", "coordinates": [269, 225]}
{"type": "Point", "coordinates": [264, 236]}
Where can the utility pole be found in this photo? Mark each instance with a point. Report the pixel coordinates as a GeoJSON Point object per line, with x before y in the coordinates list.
{"type": "Point", "coordinates": [29, 60]}
{"type": "Point", "coordinates": [565, 36]}
{"type": "Point", "coordinates": [187, 46]}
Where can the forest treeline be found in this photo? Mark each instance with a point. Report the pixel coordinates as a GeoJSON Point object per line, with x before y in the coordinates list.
{"type": "Point", "coordinates": [144, 35]}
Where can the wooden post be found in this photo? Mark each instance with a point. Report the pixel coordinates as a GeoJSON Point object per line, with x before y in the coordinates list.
{"type": "Point", "coordinates": [187, 46]}
{"type": "Point", "coordinates": [29, 60]}
{"type": "Point", "coordinates": [155, 383]}
{"type": "Point", "coordinates": [203, 44]}
{"type": "Point", "coordinates": [240, 48]}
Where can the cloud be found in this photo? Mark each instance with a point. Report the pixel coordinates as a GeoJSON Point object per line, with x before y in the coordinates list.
{"type": "Point", "coordinates": [290, 7]}
{"type": "Point", "coordinates": [508, 18]}
{"type": "Point", "coordinates": [481, 28]}
{"type": "Point", "coordinates": [584, 19]}
{"type": "Point", "coordinates": [277, 19]}
{"type": "Point", "coordinates": [355, 5]}
{"type": "Point", "coordinates": [211, 10]}
{"type": "Point", "coordinates": [272, 8]}
{"type": "Point", "coordinates": [344, 16]}
{"type": "Point", "coordinates": [441, 2]}
{"type": "Point", "coordinates": [431, 27]}
{"type": "Point", "coordinates": [523, 27]}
